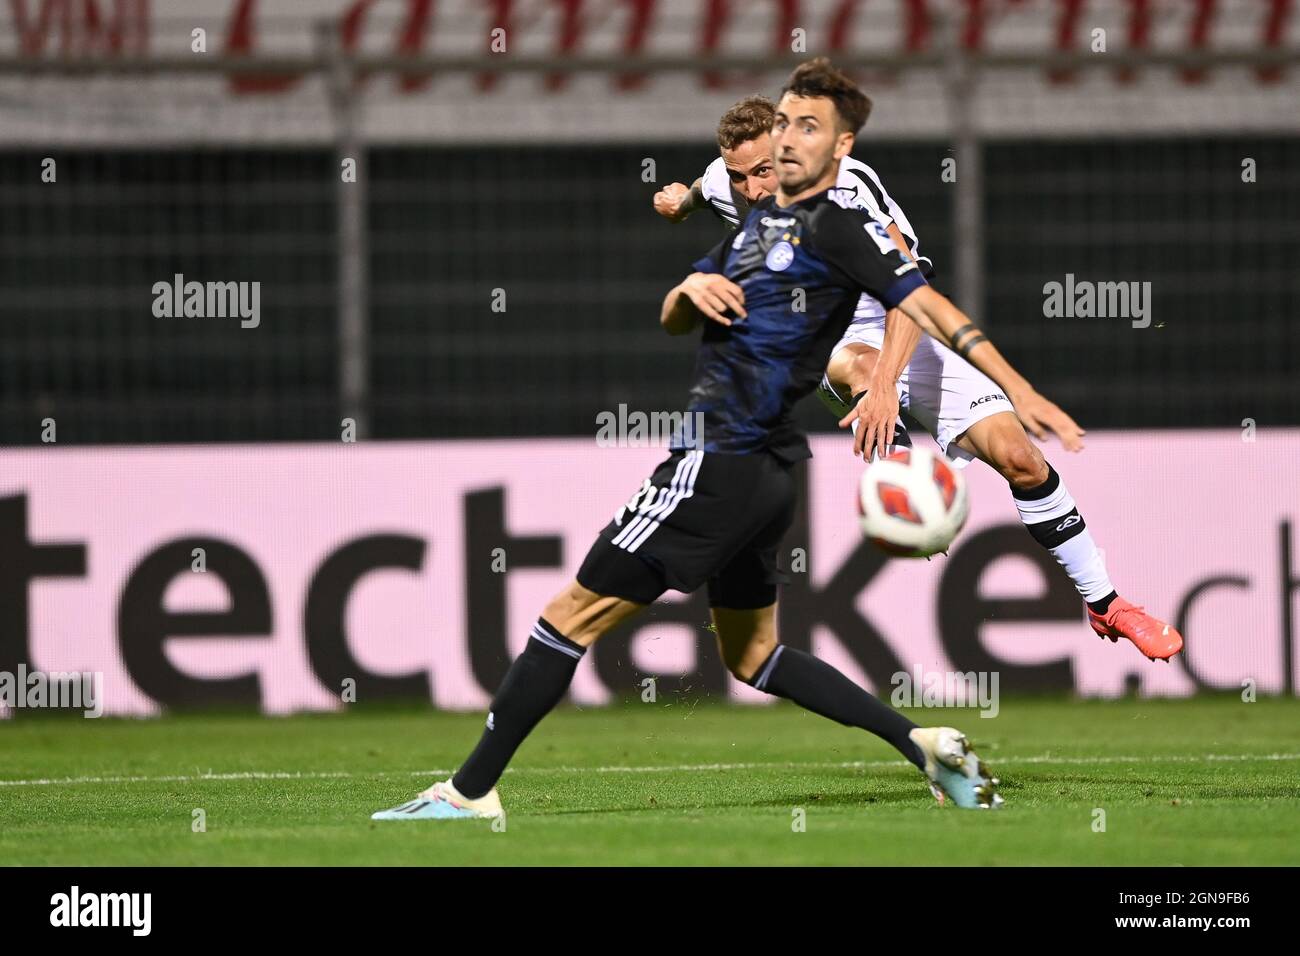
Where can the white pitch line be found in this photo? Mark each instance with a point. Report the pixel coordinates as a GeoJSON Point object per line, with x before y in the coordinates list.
{"type": "Point", "coordinates": [1001, 761]}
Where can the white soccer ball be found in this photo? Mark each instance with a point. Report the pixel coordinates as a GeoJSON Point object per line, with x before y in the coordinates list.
{"type": "Point", "coordinates": [912, 503]}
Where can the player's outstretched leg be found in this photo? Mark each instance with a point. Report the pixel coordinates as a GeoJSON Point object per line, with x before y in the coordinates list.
{"type": "Point", "coordinates": [747, 641]}
{"type": "Point", "coordinates": [1050, 515]}
{"type": "Point", "coordinates": [535, 683]}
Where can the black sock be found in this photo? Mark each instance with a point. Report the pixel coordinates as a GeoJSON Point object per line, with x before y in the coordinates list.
{"type": "Point", "coordinates": [1103, 605]}
{"type": "Point", "coordinates": [535, 683]}
{"type": "Point", "coordinates": [815, 685]}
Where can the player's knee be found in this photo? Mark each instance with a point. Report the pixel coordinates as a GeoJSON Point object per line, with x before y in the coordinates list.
{"type": "Point", "coordinates": [560, 609]}
{"type": "Point", "coordinates": [565, 603]}
{"type": "Point", "coordinates": [1022, 464]}
{"type": "Point", "coordinates": [578, 613]}
{"type": "Point", "coordinates": [863, 364]}
{"type": "Point", "coordinates": [744, 661]}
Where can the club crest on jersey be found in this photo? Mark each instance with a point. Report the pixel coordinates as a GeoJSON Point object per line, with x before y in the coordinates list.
{"type": "Point", "coordinates": [780, 256]}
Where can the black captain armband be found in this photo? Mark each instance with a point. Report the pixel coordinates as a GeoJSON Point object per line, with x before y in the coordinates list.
{"type": "Point", "coordinates": [966, 338]}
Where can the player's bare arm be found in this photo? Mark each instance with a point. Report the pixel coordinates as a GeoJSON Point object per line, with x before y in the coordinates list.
{"type": "Point", "coordinates": [859, 369]}
{"type": "Point", "coordinates": [701, 295]}
{"type": "Point", "coordinates": [676, 201]}
{"type": "Point", "coordinates": [940, 318]}
{"type": "Point", "coordinates": [876, 373]}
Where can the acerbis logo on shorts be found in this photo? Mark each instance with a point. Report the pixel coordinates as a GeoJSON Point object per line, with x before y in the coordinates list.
{"type": "Point", "coordinates": [988, 398]}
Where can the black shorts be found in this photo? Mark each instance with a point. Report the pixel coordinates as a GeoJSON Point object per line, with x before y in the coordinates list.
{"type": "Point", "coordinates": [701, 517]}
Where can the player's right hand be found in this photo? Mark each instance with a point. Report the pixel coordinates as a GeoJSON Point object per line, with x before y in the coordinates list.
{"type": "Point", "coordinates": [714, 295]}
{"type": "Point", "coordinates": [670, 200]}
{"type": "Point", "coordinates": [877, 414]}
{"type": "Point", "coordinates": [1040, 416]}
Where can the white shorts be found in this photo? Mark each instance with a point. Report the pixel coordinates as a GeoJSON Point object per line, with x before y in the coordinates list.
{"type": "Point", "coordinates": [943, 392]}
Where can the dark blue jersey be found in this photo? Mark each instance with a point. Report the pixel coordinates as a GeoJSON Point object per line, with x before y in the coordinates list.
{"type": "Point", "coordinates": [802, 269]}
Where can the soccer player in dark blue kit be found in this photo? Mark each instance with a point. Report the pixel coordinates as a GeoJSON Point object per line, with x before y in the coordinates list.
{"type": "Point", "coordinates": [774, 298]}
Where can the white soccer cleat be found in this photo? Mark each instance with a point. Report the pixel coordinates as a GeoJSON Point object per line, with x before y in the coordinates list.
{"type": "Point", "coordinates": [443, 801]}
{"type": "Point", "coordinates": [956, 770]}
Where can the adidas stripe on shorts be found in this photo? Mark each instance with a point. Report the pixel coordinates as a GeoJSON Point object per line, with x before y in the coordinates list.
{"type": "Point", "coordinates": [700, 518]}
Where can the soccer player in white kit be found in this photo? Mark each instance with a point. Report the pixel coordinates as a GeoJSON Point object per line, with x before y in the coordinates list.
{"type": "Point", "coordinates": [884, 363]}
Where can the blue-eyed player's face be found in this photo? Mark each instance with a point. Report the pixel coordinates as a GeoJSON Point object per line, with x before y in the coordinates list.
{"type": "Point", "coordinates": [807, 144]}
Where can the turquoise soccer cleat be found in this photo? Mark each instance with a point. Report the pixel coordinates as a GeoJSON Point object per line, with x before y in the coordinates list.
{"type": "Point", "coordinates": [443, 801]}
{"type": "Point", "coordinates": [955, 770]}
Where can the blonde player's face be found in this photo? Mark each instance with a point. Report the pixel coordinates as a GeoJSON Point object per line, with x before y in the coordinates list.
{"type": "Point", "coordinates": [750, 167]}
{"type": "Point", "coordinates": [804, 141]}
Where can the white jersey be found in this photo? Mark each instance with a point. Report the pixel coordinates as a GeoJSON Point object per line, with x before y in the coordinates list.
{"type": "Point", "coordinates": [856, 178]}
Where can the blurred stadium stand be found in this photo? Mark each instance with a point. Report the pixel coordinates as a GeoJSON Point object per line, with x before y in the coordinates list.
{"type": "Point", "coordinates": [568, 233]}
{"type": "Point", "coordinates": [566, 229]}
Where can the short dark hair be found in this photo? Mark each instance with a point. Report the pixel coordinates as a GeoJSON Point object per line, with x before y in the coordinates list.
{"type": "Point", "coordinates": [818, 78]}
{"type": "Point", "coordinates": [748, 119]}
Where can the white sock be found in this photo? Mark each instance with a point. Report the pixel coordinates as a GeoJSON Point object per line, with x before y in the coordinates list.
{"type": "Point", "coordinates": [1050, 515]}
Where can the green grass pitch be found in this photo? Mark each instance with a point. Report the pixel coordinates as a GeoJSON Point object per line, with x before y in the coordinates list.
{"type": "Point", "coordinates": [1193, 782]}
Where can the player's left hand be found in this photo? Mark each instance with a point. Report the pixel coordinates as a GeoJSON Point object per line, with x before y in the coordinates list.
{"type": "Point", "coordinates": [877, 415]}
{"type": "Point", "coordinates": [1040, 416]}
